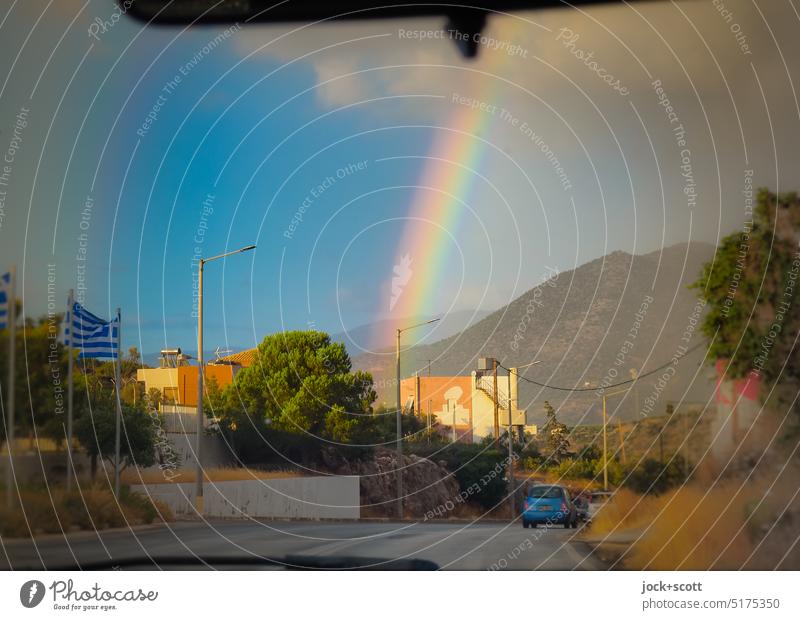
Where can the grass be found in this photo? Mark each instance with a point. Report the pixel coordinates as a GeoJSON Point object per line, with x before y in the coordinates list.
{"type": "Point", "coordinates": [222, 474]}
{"type": "Point", "coordinates": [43, 511]}
{"type": "Point", "coordinates": [697, 528]}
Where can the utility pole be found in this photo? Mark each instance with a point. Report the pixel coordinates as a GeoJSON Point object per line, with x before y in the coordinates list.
{"type": "Point", "coordinates": [685, 446]}
{"type": "Point", "coordinates": [510, 451]}
{"type": "Point", "coordinates": [621, 440]}
{"type": "Point", "coordinates": [496, 404]}
{"type": "Point", "coordinates": [605, 395]}
{"type": "Point", "coordinates": [605, 445]}
{"type": "Point", "coordinates": [417, 395]}
{"type": "Point", "coordinates": [429, 420]}
{"type": "Point", "coordinates": [399, 433]}
{"type": "Point", "coordinates": [118, 419]}
{"type": "Point", "coordinates": [455, 434]}
{"type": "Point", "coordinates": [511, 482]}
{"type": "Point", "coordinates": [634, 373]}
{"type": "Point", "coordinates": [198, 483]}
{"type": "Point", "coordinates": [198, 488]}
{"type": "Point", "coordinates": [399, 418]}
{"type": "Point", "coordinates": [669, 410]}
{"type": "Point", "coordinates": [70, 387]}
{"type": "Point", "coordinates": [10, 392]}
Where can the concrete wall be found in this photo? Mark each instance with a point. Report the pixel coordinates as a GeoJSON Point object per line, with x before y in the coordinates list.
{"type": "Point", "coordinates": [213, 451]}
{"type": "Point", "coordinates": [317, 497]}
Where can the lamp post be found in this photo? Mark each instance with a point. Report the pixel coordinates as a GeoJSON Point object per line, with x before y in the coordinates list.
{"type": "Point", "coordinates": [199, 467]}
{"type": "Point", "coordinates": [510, 437]}
{"type": "Point", "coordinates": [605, 432]}
{"type": "Point", "coordinates": [400, 419]}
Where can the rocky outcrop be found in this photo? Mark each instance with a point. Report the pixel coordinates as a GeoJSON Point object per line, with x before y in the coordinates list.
{"type": "Point", "coordinates": [426, 485]}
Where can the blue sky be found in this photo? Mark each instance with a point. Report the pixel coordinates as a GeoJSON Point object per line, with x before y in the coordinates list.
{"type": "Point", "coordinates": [260, 127]}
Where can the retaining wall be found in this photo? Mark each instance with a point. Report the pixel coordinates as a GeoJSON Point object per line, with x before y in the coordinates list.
{"type": "Point", "coordinates": [313, 497]}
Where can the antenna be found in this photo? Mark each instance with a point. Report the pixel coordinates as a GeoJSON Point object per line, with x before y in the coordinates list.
{"type": "Point", "coordinates": [220, 353]}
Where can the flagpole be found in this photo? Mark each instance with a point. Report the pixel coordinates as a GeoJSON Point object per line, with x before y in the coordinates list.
{"type": "Point", "coordinates": [68, 320]}
{"type": "Point", "coordinates": [12, 336]}
{"type": "Point", "coordinates": [117, 432]}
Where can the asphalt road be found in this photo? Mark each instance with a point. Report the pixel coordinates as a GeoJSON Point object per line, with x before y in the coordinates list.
{"type": "Point", "coordinates": [451, 546]}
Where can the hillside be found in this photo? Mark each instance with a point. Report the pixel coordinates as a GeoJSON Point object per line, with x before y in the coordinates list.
{"type": "Point", "coordinates": [380, 335]}
{"type": "Point", "coordinates": [664, 437]}
{"type": "Point", "coordinates": [597, 321]}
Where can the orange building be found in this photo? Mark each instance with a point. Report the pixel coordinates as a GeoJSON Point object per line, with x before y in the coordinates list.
{"type": "Point", "coordinates": [176, 380]}
{"type": "Point", "coordinates": [448, 400]}
{"type": "Point", "coordinates": [464, 406]}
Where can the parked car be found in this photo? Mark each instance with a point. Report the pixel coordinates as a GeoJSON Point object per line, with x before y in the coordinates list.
{"type": "Point", "coordinates": [582, 502]}
{"type": "Point", "coordinates": [549, 504]}
{"type": "Point", "coordinates": [598, 499]}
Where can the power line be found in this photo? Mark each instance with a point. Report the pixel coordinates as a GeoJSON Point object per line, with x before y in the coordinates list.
{"type": "Point", "coordinates": [613, 385]}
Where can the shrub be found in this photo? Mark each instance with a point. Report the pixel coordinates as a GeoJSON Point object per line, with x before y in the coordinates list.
{"type": "Point", "coordinates": [572, 469]}
{"type": "Point", "coordinates": [56, 511]}
{"type": "Point", "coordinates": [474, 467]}
{"type": "Point", "coordinates": [653, 476]}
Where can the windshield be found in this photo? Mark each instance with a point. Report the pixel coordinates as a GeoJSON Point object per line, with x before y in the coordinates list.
{"type": "Point", "coordinates": [545, 493]}
{"type": "Point", "coordinates": [334, 295]}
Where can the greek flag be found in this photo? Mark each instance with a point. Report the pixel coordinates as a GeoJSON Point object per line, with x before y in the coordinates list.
{"type": "Point", "coordinates": [5, 292]}
{"type": "Point", "coordinates": [91, 335]}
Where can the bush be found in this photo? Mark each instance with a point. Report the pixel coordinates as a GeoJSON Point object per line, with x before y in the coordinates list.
{"type": "Point", "coordinates": [572, 469]}
{"type": "Point", "coordinates": [474, 467]}
{"type": "Point", "coordinates": [91, 508]}
{"type": "Point", "coordinates": [653, 476]}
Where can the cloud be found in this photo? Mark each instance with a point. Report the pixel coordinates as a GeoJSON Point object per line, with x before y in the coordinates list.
{"type": "Point", "coordinates": [618, 36]}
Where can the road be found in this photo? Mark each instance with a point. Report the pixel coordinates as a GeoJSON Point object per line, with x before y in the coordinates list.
{"type": "Point", "coordinates": [451, 546]}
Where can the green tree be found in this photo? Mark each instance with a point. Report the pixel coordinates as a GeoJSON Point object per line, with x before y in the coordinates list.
{"type": "Point", "coordinates": [103, 376]}
{"type": "Point", "coordinates": [95, 429]}
{"type": "Point", "coordinates": [556, 435]}
{"type": "Point", "coordinates": [40, 381]}
{"type": "Point", "coordinates": [384, 427]}
{"type": "Point", "coordinates": [300, 383]}
{"type": "Point", "coordinates": [153, 398]}
{"type": "Point", "coordinates": [751, 288]}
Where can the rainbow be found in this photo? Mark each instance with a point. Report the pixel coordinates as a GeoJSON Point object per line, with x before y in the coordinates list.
{"type": "Point", "coordinates": [435, 217]}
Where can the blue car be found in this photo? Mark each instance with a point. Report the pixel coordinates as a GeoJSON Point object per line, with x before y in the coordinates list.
{"type": "Point", "coordinates": [549, 504]}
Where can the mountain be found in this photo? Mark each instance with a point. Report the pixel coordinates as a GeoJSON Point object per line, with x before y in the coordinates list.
{"type": "Point", "coordinates": [380, 335]}
{"type": "Point", "coordinates": [594, 323]}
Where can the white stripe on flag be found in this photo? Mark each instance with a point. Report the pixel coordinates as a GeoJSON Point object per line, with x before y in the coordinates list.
{"type": "Point", "coordinates": [92, 336]}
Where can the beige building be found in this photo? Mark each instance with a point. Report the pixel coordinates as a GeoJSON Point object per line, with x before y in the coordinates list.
{"type": "Point", "coordinates": [176, 379]}
{"type": "Point", "coordinates": [464, 406]}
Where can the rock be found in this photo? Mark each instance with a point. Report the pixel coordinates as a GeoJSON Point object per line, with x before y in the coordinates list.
{"type": "Point", "coordinates": [426, 485]}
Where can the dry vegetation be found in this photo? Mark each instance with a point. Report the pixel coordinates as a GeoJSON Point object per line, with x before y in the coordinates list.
{"type": "Point", "coordinates": [735, 523]}
{"type": "Point", "coordinates": [54, 510]}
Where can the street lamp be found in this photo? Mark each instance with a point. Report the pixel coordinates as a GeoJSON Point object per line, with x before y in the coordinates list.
{"type": "Point", "coordinates": [199, 468]}
{"type": "Point", "coordinates": [605, 432]}
{"type": "Point", "coordinates": [400, 420]}
{"type": "Point", "coordinates": [510, 439]}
